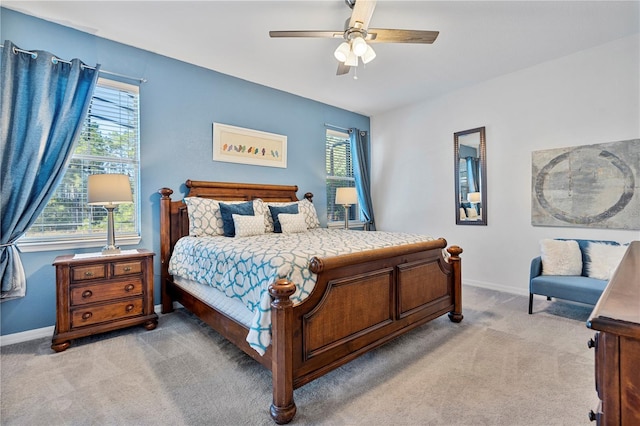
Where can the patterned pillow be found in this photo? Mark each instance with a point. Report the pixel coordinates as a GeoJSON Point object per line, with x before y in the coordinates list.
{"type": "Point", "coordinates": [228, 210]}
{"type": "Point", "coordinates": [292, 223]}
{"type": "Point", "coordinates": [276, 211]}
{"type": "Point", "coordinates": [604, 259]}
{"type": "Point", "coordinates": [561, 257]}
{"type": "Point", "coordinates": [205, 218]}
{"type": "Point", "coordinates": [305, 207]}
{"type": "Point", "coordinates": [246, 226]}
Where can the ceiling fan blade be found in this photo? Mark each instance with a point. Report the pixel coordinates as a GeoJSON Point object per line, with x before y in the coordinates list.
{"type": "Point", "coordinates": [381, 35]}
{"type": "Point", "coordinates": [343, 69]}
{"type": "Point", "coordinates": [362, 12]}
{"type": "Point", "coordinates": [324, 34]}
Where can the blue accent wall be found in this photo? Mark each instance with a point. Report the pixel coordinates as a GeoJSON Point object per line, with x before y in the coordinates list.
{"type": "Point", "coordinates": [178, 105]}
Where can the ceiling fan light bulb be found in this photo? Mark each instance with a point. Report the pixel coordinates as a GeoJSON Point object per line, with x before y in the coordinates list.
{"type": "Point", "coordinates": [342, 52]}
{"type": "Point", "coordinates": [359, 46]}
{"type": "Point", "coordinates": [369, 55]}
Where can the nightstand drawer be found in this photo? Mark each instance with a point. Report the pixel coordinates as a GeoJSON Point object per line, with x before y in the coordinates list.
{"type": "Point", "coordinates": [127, 268]}
{"type": "Point", "coordinates": [94, 314]}
{"type": "Point", "coordinates": [89, 272]}
{"type": "Point", "coordinates": [108, 291]}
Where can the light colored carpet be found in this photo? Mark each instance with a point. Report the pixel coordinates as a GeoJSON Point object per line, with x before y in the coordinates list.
{"type": "Point", "coordinates": [499, 366]}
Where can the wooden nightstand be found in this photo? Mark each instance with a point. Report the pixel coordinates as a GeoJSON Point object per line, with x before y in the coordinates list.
{"type": "Point", "coordinates": [102, 293]}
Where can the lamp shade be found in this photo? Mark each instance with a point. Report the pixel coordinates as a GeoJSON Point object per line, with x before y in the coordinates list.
{"type": "Point", "coordinates": [109, 189]}
{"type": "Point", "coordinates": [359, 46]}
{"type": "Point", "coordinates": [346, 196]}
{"type": "Point", "coordinates": [473, 197]}
{"type": "Point", "coordinates": [342, 52]}
{"type": "Point", "coordinates": [369, 55]}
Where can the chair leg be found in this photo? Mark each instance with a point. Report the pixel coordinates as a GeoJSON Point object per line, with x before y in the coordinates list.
{"type": "Point", "coordinates": [530, 303]}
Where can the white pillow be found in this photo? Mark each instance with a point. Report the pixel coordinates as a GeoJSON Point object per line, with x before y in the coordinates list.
{"type": "Point", "coordinates": [463, 215]}
{"type": "Point", "coordinates": [248, 225]}
{"type": "Point", "coordinates": [292, 223]}
{"type": "Point", "coordinates": [205, 218]}
{"type": "Point", "coordinates": [561, 257]}
{"type": "Point", "coordinates": [305, 207]}
{"type": "Point", "coordinates": [605, 258]}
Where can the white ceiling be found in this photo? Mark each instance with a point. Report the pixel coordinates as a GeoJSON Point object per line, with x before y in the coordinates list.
{"type": "Point", "coordinates": [478, 40]}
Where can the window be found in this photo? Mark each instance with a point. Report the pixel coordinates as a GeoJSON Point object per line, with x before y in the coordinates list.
{"type": "Point", "coordinates": [109, 143]}
{"type": "Point", "coordinates": [339, 173]}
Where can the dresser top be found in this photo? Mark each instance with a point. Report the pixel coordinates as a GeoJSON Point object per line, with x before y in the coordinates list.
{"type": "Point", "coordinates": [618, 309]}
{"type": "Point", "coordinates": [98, 257]}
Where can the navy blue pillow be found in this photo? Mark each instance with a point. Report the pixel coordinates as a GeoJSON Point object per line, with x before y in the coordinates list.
{"type": "Point", "coordinates": [276, 210]}
{"type": "Point", "coordinates": [228, 210]}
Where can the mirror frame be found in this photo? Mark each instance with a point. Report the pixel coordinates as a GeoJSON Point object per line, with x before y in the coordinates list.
{"type": "Point", "coordinates": [483, 175]}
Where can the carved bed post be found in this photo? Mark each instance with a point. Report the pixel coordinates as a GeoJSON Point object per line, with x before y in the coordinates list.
{"type": "Point", "coordinates": [165, 248]}
{"type": "Point", "coordinates": [454, 260]}
{"type": "Point", "coordinates": [283, 407]}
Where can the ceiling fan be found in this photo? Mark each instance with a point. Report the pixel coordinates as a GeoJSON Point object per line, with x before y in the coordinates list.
{"type": "Point", "coordinates": [358, 36]}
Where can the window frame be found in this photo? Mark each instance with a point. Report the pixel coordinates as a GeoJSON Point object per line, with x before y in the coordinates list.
{"type": "Point", "coordinates": [352, 223]}
{"type": "Point", "coordinates": [66, 242]}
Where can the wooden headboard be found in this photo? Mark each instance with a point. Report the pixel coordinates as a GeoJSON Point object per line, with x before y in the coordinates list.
{"type": "Point", "coordinates": [174, 220]}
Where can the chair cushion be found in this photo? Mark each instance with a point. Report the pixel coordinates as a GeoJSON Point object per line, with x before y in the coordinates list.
{"type": "Point", "coordinates": [576, 288]}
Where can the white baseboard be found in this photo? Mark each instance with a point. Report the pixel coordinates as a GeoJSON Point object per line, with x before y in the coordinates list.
{"type": "Point", "coordinates": [39, 333]}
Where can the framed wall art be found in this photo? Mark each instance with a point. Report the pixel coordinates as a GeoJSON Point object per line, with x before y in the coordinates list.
{"type": "Point", "coordinates": [245, 146]}
{"type": "Point", "coordinates": [590, 186]}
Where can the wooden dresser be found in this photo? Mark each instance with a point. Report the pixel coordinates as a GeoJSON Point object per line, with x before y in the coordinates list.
{"type": "Point", "coordinates": [616, 318]}
{"type": "Point", "coordinates": [102, 293]}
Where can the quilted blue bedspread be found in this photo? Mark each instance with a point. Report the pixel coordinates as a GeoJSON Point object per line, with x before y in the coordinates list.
{"type": "Point", "coordinates": [243, 268]}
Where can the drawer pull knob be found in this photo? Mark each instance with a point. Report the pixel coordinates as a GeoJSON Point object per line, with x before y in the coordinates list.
{"type": "Point", "coordinates": [87, 315]}
{"type": "Point", "coordinates": [591, 343]}
{"type": "Point", "coordinates": [88, 274]}
{"type": "Point", "coordinates": [86, 294]}
{"type": "Point", "coordinates": [129, 308]}
{"type": "Point", "coordinates": [129, 287]}
{"type": "Point", "coordinates": [592, 416]}
{"type": "Point", "coordinates": [127, 268]}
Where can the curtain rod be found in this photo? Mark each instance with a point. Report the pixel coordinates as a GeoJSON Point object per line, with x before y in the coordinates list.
{"type": "Point", "coordinates": [336, 127]}
{"type": "Point", "coordinates": [56, 59]}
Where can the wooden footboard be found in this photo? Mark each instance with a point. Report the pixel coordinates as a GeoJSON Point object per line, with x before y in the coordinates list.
{"type": "Point", "coordinates": [360, 301]}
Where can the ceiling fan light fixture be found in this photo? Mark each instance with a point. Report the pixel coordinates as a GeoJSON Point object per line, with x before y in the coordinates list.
{"type": "Point", "coordinates": [352, 60]}
{"type": "Point", "coordinates": [369, 55]}
{"type": "Point", "coordinates": [342, 52]}
{"type": "Point", "coordinates": [359, 46]}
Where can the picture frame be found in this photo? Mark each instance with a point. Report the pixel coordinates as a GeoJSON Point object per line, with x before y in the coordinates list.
{"type": "Point", "coordinates": [233, 144]}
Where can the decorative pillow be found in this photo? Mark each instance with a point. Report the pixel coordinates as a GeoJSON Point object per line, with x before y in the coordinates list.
{"type": "Point", "coordinates": [228, 210]}
{"type": "Point", "coordinates": [205, 218]}
{"type": "Point", "coordinates": [305, 207]}
{"type": "Point", "coordinates": [603, 259]}
{"type": "Point", "coordinates": [561, 257]}
{"type": "Point", "coordinates": [277, 210]}
{"type": "Point", "coordinates": [245, 226]}
{"type": "Point", "coordinates": [292, 223]}
{"type": "Point", "coordinates": [463, 215]}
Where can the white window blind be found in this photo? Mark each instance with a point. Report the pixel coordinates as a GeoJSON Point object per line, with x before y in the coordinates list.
{"type": "Point", "coordinates": [109, 143]}
{"type": "Point", "coordinates": [339, 173]}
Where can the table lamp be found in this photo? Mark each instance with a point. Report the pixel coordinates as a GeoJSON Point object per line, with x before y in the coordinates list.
{"type": "Point", "coordinates": [347, 197]}
{"type": "Point", "coordinates": [109, 190]}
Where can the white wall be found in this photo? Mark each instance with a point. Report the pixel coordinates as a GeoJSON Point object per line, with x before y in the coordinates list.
{"type": "Point", "coordinates": [585, 98]}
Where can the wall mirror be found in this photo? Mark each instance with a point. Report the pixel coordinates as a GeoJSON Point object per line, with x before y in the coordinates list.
{"type": "Point", "coordinates": [471, 177]}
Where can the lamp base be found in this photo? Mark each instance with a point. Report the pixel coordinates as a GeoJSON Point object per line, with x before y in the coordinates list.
{"type": "Point", "coordinates": [110, 250]}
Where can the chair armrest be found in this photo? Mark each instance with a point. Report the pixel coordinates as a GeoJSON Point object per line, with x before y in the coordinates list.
{"type": "Point", "coordinates": [536, 268]}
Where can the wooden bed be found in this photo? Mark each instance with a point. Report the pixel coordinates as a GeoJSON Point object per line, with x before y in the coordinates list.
{"type": "Point", "coordinates": [360, 301]}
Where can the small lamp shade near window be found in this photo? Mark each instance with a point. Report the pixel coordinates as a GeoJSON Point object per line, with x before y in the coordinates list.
{"type": "Point", "coordinates": [347, 197]}
{"type": "Point", "coordinates": [473, 197]}
{"type": "Point", "coordinates": [109, 190]}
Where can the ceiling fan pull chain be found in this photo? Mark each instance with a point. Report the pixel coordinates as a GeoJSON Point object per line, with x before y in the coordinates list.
{"type": "Point", "coordinates": [355, 73]}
